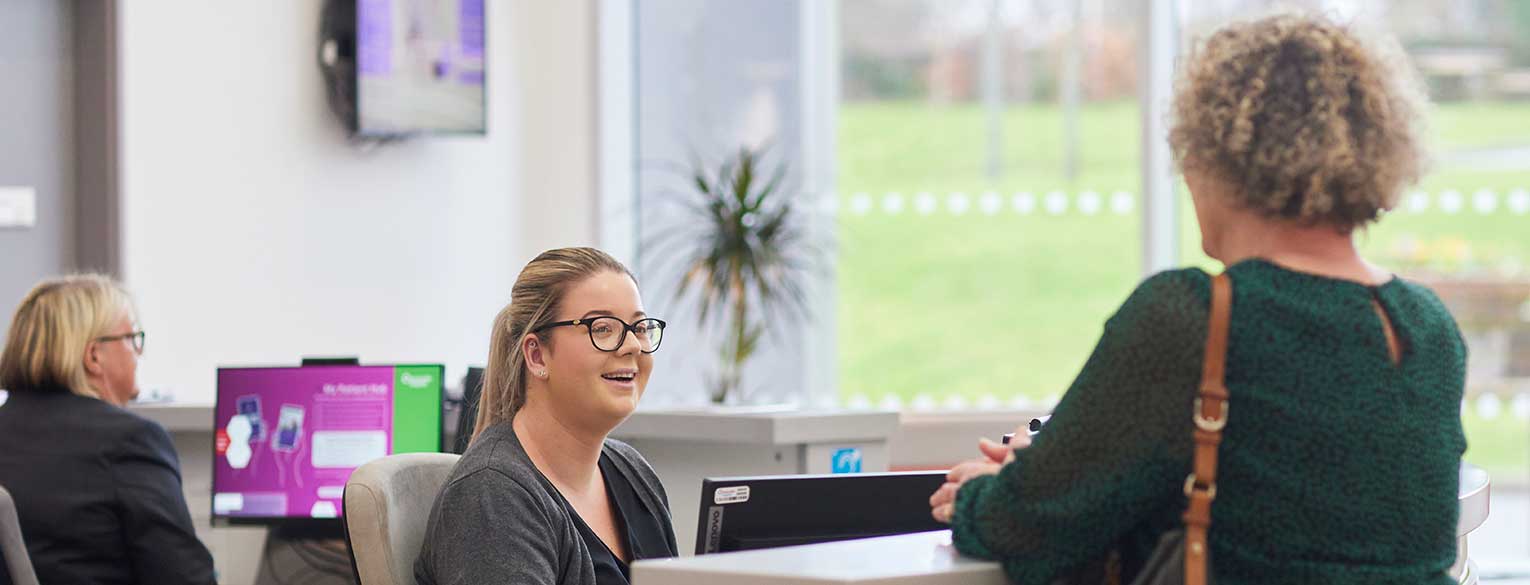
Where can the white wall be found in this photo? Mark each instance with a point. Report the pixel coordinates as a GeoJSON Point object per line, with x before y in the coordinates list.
{"type": "Point", "coordinates": [254, 234]}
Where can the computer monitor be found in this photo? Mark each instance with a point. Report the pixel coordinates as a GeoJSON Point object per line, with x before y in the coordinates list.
{"type": "Point", "coordinates": [287, 438]}
{"type": "Point", "coordinates": [467, 412]}
{"type": "Point", "coordinates": [745, 513]}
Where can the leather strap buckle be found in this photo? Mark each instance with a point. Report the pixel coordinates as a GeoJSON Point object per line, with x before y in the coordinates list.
{"type": "Point", "coordinates": [1191, 486]}
{"type": "Point", "coordinates": [1210, 425]}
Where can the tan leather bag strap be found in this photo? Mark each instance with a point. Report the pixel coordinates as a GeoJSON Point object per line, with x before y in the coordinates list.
{"type": "Point", "coordinates": [1210, 417]}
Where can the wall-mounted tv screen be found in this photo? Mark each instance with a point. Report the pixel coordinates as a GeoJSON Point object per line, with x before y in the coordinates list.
{"type": "Point", "coordinates": [420, 67]}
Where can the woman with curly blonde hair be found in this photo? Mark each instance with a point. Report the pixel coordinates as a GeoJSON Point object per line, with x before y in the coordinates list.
{"type": "Point", "coordinates": [1338, 462]}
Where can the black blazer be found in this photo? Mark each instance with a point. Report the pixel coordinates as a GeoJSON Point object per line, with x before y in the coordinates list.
{"type": "Point", "coordinates": [98, 491]}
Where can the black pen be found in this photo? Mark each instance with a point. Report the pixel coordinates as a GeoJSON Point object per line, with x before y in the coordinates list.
{"type": "Point", "coordinates": [1035, 426]}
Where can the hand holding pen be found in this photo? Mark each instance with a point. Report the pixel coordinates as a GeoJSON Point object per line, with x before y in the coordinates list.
{"type": "Point", "coordinates": [995, 456]}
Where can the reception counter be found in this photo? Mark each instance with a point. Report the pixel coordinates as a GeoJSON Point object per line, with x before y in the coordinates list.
{"type": "Point", "coordinates": [686, 446]}
{"type": "Point", "coordinates": [928, 558]}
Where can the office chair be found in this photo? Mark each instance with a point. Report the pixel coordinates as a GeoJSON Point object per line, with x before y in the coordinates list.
{"type": "Point", "coordinates": [11, 547]}
{"type": "Point", "coordinates": [387, 504]}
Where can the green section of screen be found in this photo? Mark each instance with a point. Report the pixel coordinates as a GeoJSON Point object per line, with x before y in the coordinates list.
{"type": "Point", "coordinates": [416, 409]}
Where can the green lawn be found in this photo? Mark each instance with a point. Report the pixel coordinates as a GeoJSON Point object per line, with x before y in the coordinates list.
{"type": "Point", "coordinates": [1004, 304]}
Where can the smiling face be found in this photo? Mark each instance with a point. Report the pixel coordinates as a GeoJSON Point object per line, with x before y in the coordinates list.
{"type": "Point", "coordinates": [581, 383]}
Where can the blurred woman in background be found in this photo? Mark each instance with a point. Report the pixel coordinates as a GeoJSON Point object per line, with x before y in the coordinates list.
{"type": "Point", "coordinates": [97, 488]}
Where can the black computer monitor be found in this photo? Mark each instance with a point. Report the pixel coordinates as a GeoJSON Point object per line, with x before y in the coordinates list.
{"type": "Point", "coordinates": [745, 513]}
{"type": "Point", "coordinates": [467, 412]}
{"type": "Point", "coordinates": [287, 438]}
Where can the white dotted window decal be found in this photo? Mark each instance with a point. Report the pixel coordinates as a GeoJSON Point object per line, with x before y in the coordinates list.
{"type": "Point", "coordinates": [1451, 202]}
{"type": "Point", "coordinates": [1056, 203]}
{"type": "Point", "coordinates": [1089, 203]}
{"type": "Point", "coordinates": [954, 402]}
{"type": "Point", "coordinates": [924, 402]}
{"type": "Point", "coordinates": [1519, 201]}
{"type": "Point", "coordinates": [990, 203]}
{"type": "Point", "coordinates": [1122, 203]}
{"type": "Point", "coordinates": [924, 203]}
{"type": "Point", "coordinates": [1489, 406]}
{"type": "Point", "coordinates": [892, 203]}
{"type": "Point", "coordinates": [860, 203]}
{"type": "Point", "coordinates": [1418, 202]}
{"type": "Point", "coordinates": [1024, 203]}
{"type": "Point", "coordinates": [859, 402]}
{"type": "Point", "coordinates": [1520, 406]}
{"type": "Point", "coordinates": [1485, 201]}
{"type": "Point", "coordinates": [958, 203]}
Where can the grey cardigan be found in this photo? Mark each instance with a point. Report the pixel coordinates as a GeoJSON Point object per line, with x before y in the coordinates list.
{"type": "Point", "coordinates": [498, 519]}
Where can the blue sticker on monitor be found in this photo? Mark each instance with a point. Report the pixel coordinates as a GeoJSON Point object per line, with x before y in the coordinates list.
{"type": "Point", "coordinates": [847, 460]}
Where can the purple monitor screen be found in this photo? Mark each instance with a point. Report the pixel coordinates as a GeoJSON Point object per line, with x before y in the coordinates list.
{"type": "Point", "coordinates": [420, 66]}
{"type": "Point", "coordinates": [287, 439]}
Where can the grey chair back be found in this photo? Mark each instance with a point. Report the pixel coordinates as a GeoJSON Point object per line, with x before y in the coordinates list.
{"type": "Point", "coordinates": [387, 504]}
{"type": "Point", "coordinates": [17, 563]}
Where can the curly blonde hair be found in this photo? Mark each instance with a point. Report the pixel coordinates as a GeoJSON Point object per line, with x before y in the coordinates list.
{"type": "Point", "coordinates": [1302, 118]}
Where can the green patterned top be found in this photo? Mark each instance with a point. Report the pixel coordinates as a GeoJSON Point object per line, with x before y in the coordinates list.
{"type": "Point", "coordinates": [1336, 465]}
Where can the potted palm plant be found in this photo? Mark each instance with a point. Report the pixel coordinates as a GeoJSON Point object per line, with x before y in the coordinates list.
{"type": "Point", "coordinates": [744, 257]}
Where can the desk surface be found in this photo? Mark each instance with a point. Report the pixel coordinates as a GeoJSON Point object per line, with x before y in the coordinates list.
{"type": "Point", "coordinates": [926, 556]}
{"type": "Point", "coordinates": [177, 417]}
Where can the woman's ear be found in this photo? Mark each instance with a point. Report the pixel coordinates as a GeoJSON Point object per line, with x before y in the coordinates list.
{"type": "Point", "coordinates": [536, 356]}
{"type": "Point", "coordinates": [92, 360]}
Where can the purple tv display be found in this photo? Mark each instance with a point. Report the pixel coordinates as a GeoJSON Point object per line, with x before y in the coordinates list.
{"type": "Point", "coordinates": [420, 67]}
{"type": "Point", "coordinates": [286, 439]}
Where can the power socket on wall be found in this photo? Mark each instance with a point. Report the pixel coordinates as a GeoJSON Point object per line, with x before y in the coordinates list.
{"type": "Point", "coordinates": [18, 207]}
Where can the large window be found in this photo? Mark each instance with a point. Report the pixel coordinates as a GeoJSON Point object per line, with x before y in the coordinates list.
{"type": "Point", "coordinates": [988, 214]}
{"type": "Point", "coordinates": [989, 209]}
{"type": "Point", "coordinates": [987, 203]}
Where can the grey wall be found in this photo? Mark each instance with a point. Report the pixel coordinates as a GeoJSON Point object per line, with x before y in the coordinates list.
{"type": "Point", "coordinates": [36, 138]}
{"type": "Point", "coordinates": [58, 134]}
{"type": "Point", "coordinates": [97, 242]}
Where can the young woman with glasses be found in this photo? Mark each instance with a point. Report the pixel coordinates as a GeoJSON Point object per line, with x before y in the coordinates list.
{"type": "Point", "coordinates": [97, 488]}
{"type": "Point", "coordinates": [542, 495]}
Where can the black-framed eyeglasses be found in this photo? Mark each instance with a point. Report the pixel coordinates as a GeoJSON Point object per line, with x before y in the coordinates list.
{"type": "Point", "coordinates": [135, 337]}
{"type": "Point", "coordinates": [608, 333]}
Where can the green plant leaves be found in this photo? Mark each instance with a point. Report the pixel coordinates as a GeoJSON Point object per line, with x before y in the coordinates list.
{"type": "Point", "coordinates": [745, 246]}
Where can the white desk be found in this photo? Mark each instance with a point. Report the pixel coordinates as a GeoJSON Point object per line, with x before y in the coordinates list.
{"type": "Point", "coordinates": [929, 559]}
{"type": "Point", "coordinates": [926, 558]}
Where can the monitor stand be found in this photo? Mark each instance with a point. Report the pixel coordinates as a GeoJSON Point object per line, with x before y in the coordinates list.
{"type": "Point", "coordinates": [306, 554]}
{"type": "Point", "coordinates": [331, 361]}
